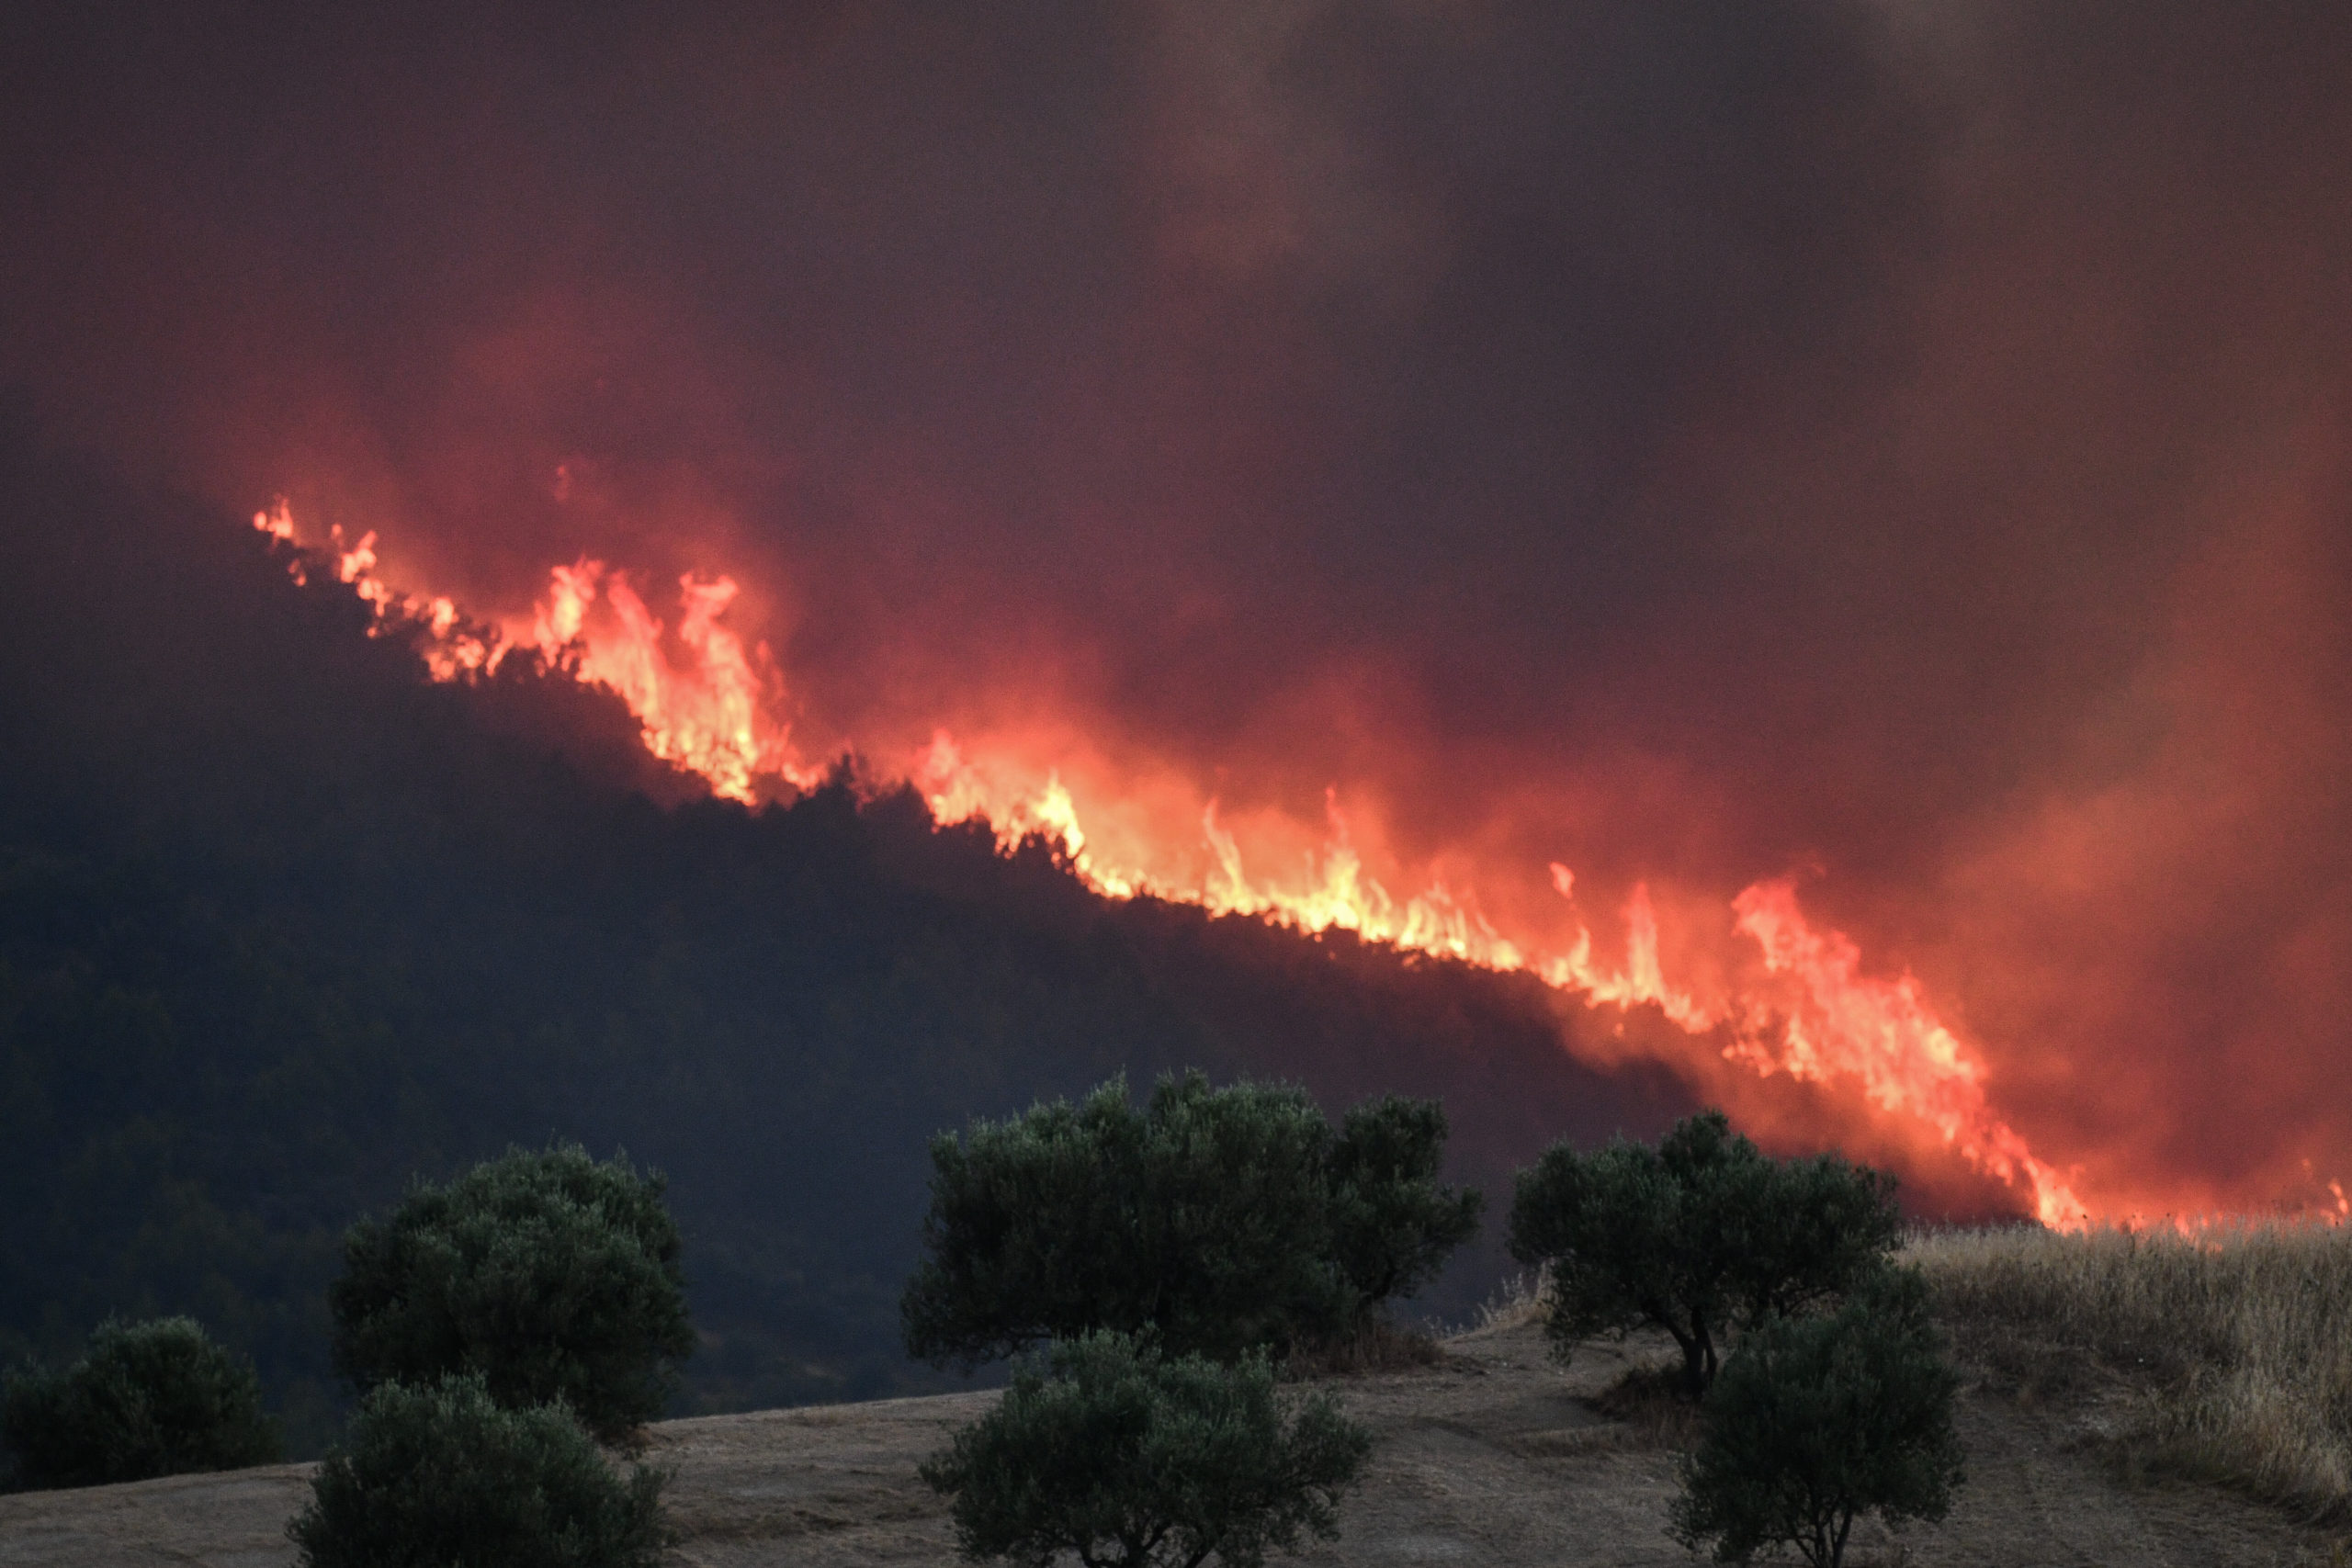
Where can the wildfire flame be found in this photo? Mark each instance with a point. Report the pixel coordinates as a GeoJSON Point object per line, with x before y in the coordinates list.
{"type": "Point", "coordinates": [707, 717]}
{"type": "Point", "coordinates": [1883, 1034]}
{"type": "Point", "coordinates": [710, 705]}
{"type": "Point", "coordinates": [711, 716]}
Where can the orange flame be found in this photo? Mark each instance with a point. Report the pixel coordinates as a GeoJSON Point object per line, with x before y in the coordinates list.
{"type": "Point", "coordinates": [707, 717]}
{"type": "Point", "coordinates": [707, 704]}
{"type": "Point", "coordinates": [710, 716]}
{"type": "Point", "coordinates": [1883, 1033]}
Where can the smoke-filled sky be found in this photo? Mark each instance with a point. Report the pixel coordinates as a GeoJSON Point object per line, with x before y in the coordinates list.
{"type": "Point", "coordinates": [1897, 444]}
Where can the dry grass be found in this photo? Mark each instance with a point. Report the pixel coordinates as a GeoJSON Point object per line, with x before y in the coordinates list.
{"type": "Point", "coordinates": [1650, 1402]}
{"type": "Point", "coordinates": [1516, 1301]}
{"type": "Point", "coordinates": [2238, 1338]}
{"type": "Point", "coordinates": [1379, 1346]}
{"type": "Point", "coordinates": [1646, 1401]}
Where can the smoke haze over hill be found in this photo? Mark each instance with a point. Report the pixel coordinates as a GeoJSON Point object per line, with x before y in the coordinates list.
{"type": "Point", "coordinates": [1897, 447]}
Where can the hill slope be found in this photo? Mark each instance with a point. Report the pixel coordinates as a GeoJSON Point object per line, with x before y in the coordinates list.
{"type": "Point", "coordinates": [283, 924]}
{"type": "Point", "coordinates": [1492, 1456]}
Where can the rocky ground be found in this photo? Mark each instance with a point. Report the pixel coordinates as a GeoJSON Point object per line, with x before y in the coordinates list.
{"type": "Point", "coordinates": [1491, 1457]}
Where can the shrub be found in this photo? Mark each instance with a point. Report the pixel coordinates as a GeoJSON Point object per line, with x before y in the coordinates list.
{"type": "Point", "coordinates": [549, 1274]}
{"type": "Point", "coordinates": [1107, 1449]}
{"type": "Point", "coordinates": [147, 1399]}
{"type": "Point", "coordinates": [445, 1475]}
{"type": "Point", "coordinates": [1221, 1219]}
{"type": "Point", "coordinates": [1699, 1234]}
{"type": "Point", "coordinates": [1818, 1421]}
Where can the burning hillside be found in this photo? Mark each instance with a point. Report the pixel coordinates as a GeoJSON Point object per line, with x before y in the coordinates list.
{"type": "Point", "coordinates": [1801, 1004]}
{"type": "Point", "coordinates": [1818, 530]}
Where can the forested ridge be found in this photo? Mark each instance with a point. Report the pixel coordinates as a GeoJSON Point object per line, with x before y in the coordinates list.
{"type": "Point", "coordinates": [283, 925]}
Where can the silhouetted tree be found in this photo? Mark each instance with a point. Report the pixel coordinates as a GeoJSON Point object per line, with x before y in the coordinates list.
{"type": "Point", "coordinates": [545, 1274]}
{"type": "Point", "coordinates": [1219, 1218]}
{"type": "Point", "coordinates": [1202, 1216]}
{"type": "Point", "coordinates": [1816, 1421]}
{"type": "Point", "coordinates": [147, 1399]}
{"type": "Point", "coordinates": [1107, 1449]}
{"type": "Point", "coordinates": [1393, 1223]}
{"type": "Point", "coordinates": [1699, 1234]}
{"type": "Point", "coordinates": [444, 1473]}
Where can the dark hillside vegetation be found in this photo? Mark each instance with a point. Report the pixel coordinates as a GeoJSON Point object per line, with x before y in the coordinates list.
{"type": "Point", "coordinates": [283, 925]}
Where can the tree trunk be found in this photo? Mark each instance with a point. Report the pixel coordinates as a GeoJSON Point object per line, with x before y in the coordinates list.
{"type": "Point", "coordinates": [1698, 1358]}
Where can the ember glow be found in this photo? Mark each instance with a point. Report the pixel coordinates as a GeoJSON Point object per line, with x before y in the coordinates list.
{"type": "Point", "coordinates": [706, 706]}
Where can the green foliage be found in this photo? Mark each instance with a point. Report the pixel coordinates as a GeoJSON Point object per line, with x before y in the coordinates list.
{"type": "Point", "coordinates": [1699, 1234]}
{"type": "Point", "coordinates": [1393, 1224]}
{"type": "Point", "coordinates": [443, 1474]}
{"type": "Point", "coordinates": [548, 1274]}
{"type": "Point", "coordinates": [1202, 1216]}
{"type": "Point", "coordinates": [1110, 1450]}
{"type": "Point", "coordinates": [1220, 1219]}
{"type": "Point", "coordinates": [1816, 1421]}
{"type": "Point", "coordinates": [148, 1399]}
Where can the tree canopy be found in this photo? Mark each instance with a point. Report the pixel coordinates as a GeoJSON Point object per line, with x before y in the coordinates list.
{"type": "Point", "coordinates": [1696, 1234]}
{"type": "Point", "coordinates": [1105, 1448]}
{"type": "Point", "coordinates": [1818, 1421]}
{"type": "Point", "coordinates": [547, 1274]}
{"type": "Point", "coordinates": [145, 1399]}
{"type": "Point", "coordinates": [1393, 1223]}
{"type": "Point", "coordinates": [1219, 1218]}
{"type": "Point", "coordinates": [442, 1473]}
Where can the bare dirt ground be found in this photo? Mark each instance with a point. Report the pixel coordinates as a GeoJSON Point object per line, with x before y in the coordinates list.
{"type": "Point", "coordinates": [1492, 1456]}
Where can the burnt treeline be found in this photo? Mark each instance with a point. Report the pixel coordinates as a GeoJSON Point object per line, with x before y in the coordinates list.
{"type": "Point", "coordinates": [283, 924]}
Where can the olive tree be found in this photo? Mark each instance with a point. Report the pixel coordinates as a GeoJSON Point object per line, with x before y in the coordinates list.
{"type": "Point", "coordinates": [1699, 1234]}
{"type": "Point", "coordinates": [1817, 1421]}
{"type": "Point", "coordinates": [444, 1473]}
{"type": "Point", "coordinates": [548, 1274]}
{"type": "Point", "coordinates": [1105, 1448]}
{"type": "Point", "coordinates": [146, 1399]}
{"type": "Point", "coordinates": [1393, 1223]}
{"type": "Point", "coordinates": [1220, 1219]}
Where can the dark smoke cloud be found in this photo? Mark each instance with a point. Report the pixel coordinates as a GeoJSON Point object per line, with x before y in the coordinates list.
{"type": "Point", "coordinates": [1696, 440]}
